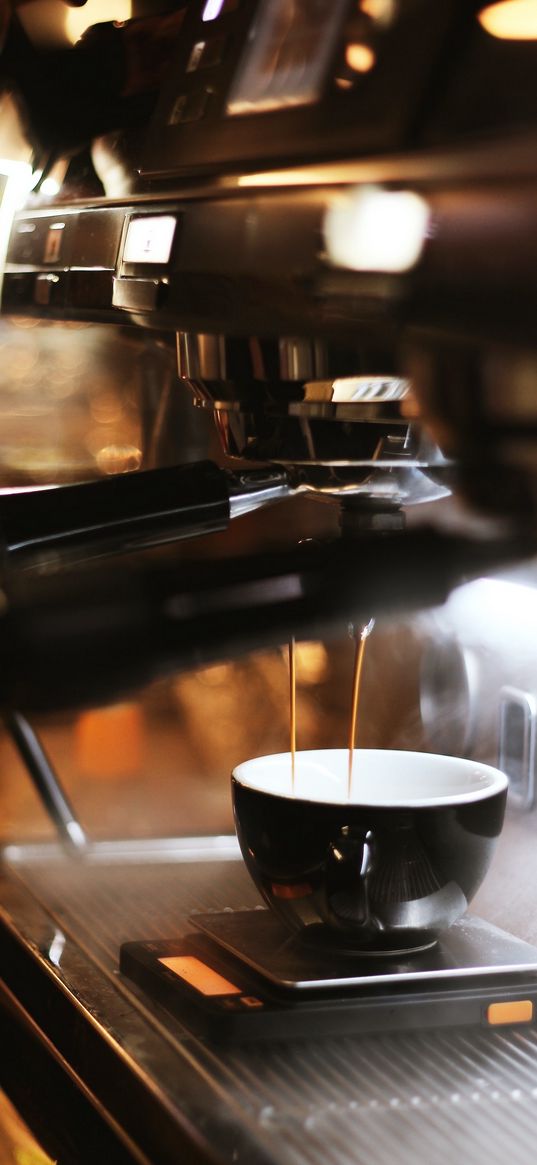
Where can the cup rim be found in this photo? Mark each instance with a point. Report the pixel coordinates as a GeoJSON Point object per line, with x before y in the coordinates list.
{"type": "Point", "coordinates": [496, 780]}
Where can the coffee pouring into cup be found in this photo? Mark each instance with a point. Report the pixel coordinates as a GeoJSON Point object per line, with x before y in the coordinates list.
{"type": "Point", "coordinates": [372, 850]}
{"type": "Point", "coordinates": [383, 870]}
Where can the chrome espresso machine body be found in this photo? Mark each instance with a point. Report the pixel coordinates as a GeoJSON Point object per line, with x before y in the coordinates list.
{"type": "Point", "coordinates": [326, 211]}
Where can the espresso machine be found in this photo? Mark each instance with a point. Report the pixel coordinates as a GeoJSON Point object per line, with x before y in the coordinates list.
{"type": "Point", "coordinates": [323, 212]}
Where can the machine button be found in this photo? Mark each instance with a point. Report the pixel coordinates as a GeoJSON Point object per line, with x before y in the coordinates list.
{"type": "Point", "coordinates": [194, 59]}
{"type": "Point", "coordinates": [512, 1011]}
{"type": "Point", "coordinates": [53, 242]}
{"type": "Point", "coordinates": [206, 54]}
{"type": "Point", "coordinates": [189, 106]}
{"type": "Point", "coordinates": [150, 239]}
{"type": "Point", "coordinates": [137, 294]}
{"type": "Point", "coordinates": [26, 243]}
{"type": "Point", "coordinates": [44, 289]}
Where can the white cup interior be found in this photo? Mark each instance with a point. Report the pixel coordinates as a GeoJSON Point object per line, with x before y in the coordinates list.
{"type": "Point", "coordinates": [382, 777]}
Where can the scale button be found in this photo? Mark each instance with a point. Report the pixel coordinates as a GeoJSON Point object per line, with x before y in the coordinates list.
{"type": "Point", "coordinates": [251, 1001]}
{"type": "Point", "coordinates": [513, 1011]}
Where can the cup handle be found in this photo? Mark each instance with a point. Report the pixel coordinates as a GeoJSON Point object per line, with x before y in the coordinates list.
{"type": "Point", "coordinates": [348, 865]}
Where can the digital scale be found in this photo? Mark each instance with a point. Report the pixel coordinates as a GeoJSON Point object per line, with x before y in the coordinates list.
{"type": "Point", "coordinates": [241, 976]}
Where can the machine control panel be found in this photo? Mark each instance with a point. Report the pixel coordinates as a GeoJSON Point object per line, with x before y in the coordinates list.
{"type": "Point", "coordinates": [63, 261]}
{"type": "Point", "coordinates": [265, 80]}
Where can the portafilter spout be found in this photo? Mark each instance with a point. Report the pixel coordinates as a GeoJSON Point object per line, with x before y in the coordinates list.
{"type": "Point", "coordinates": [304, 405]}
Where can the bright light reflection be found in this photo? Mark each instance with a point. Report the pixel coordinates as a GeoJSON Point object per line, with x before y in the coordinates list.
{"type": "Point", "coordinates": [508, 607]}
{"type": "Point", "coordinates": [310, 177]}
{"type": "Point", "coordinates": [369, 388]}
{"type": "Point", "coordinates": [312, 663]}
{"type": "Point", "coordinates": [212, 9]}
{"type": "Point", "coordinates": [18, 185]}
{"type": "Point", "coordinates": [112, 459]}
{"type": "Point", "coordinates": [56, 947]}
{"type": "Point", "coordinates": [510, 19]}
{"type": "Point", "coordinates": [19, 175]}
{"type": "Point", "coordinates": [360, 58]}
{"type": "Point", "coordinates": [371, 229]}
{"type": "Point", "coordinates": [50, 187]}
{"type": "Point", "coordinates": [78, 20]}
{"type": "Point", "coordinates": [382, 11]}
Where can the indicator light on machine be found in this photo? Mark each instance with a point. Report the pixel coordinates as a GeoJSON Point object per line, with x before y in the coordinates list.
{"type": "Point", "coordinates": [512, 1011]}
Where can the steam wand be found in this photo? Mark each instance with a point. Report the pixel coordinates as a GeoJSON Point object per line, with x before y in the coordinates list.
{"type": "Point", "coordinates": [46, 782]}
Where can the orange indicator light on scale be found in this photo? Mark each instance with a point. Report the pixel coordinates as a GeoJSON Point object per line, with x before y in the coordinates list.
{"type": "Point", "coordinates": [514, 1011]}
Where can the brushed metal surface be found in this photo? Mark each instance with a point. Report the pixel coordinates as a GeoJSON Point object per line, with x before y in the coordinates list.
{"type": "Point", "coordinates": [397, 1099]}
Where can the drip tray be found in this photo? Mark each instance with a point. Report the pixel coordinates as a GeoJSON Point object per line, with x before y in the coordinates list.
{"type": "Point", "coordinates": [396, 1096]}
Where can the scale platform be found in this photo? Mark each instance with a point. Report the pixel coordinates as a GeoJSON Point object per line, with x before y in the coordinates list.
{"type": "Point", "coordinates": [243, 977]}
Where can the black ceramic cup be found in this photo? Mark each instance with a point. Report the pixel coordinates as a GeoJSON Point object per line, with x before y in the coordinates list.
{"type": "Point", "coordinates": [383, 870]}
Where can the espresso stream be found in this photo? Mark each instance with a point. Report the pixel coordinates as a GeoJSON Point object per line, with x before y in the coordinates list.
{"type": "Point", "coordinates": [360, 637]}
{"type": "Point", "coordinates": [292, 709]}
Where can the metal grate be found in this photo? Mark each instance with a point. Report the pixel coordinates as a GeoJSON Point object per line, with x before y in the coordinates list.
{"type": "Point", "coordinates": [398, 1099]}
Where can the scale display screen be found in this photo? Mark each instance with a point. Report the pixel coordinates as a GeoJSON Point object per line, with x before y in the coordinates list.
{"type": "Point", "coordinates": [199, 975]}
{"type": "Point", "coordinates": [288, 50]}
